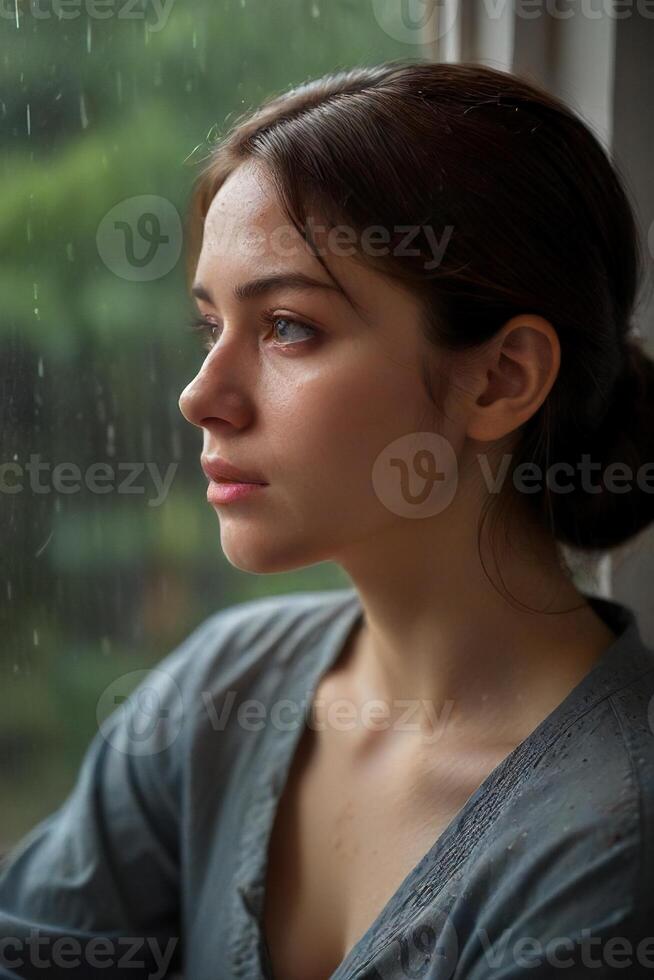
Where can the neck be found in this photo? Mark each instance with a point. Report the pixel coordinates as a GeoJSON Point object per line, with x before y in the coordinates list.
{"type": "Point", "coordinates": [437, 633]}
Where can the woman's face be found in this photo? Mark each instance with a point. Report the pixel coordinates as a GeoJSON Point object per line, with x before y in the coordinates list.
{"type": "Point", "coordinates": [309, 410]}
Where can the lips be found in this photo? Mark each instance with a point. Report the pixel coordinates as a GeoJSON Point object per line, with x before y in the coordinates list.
{"type": "Point", "coordinates": [220, 471]}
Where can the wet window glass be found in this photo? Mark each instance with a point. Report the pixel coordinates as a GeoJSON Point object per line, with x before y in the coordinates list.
{"type": "Point", "coordinates": [111, 554]}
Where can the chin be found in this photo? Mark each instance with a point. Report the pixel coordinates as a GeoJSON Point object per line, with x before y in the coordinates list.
{"type": "Point", "coordinates": [265, 555]}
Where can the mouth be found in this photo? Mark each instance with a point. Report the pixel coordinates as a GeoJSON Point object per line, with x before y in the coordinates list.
{"type": "Point", "coordinates": [227, 491]}
{"type": "Point", "coordinates": [218, 470]}
{"type": "Point", "coordinates": [245, 483]}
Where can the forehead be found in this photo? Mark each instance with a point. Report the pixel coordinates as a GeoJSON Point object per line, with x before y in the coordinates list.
{"type": "Point", "coordinates": [246, 197]}
{"type": "Point", "coordinates": [245, 218]}
{"type": "Point", "coordinates": [247, 234]}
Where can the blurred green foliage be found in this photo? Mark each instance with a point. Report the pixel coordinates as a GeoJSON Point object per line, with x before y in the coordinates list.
{"type": "Point", "coordinates": [96, 110]}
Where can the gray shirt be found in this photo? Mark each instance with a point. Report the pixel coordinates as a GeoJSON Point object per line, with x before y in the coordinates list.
{"type": "Point", "coordinates": [155, 862]}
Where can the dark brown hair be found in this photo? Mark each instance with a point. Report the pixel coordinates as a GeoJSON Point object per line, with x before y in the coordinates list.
{"type": "Point", "coordinates": [541, 223]}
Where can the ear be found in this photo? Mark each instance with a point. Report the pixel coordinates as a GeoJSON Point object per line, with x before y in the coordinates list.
{"type": "Point", "coordinates": [515, 372]}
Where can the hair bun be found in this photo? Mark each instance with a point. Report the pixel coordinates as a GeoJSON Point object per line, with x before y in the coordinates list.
{"type": "Point", "coordinates": [638, 363]}
{"type": "Point", "coordinates": [625, 442]}
{"type": "Point", "coordinates": [633, 399]}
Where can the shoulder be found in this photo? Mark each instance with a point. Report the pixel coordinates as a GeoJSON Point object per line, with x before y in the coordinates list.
{"type": "Point", "coordinates": [629, 777]}
{"type": "Point", "coordinates": [235, 640]}
{"type": "Point", "coordinates": [571, 853]}
{"type": "Point", "coordinates": [243, 652]}
{"type": "Point", "coordinates": [246, 645]}
{"type": "Point", "coordinates": [592, 789]}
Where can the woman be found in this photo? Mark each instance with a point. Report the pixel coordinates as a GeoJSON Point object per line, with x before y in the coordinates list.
{"type": "Point", "coordinates": [415, 284]}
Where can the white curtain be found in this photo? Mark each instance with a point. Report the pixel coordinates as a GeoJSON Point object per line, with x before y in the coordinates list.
{"type": "Point", "coordinates": [598, 55]}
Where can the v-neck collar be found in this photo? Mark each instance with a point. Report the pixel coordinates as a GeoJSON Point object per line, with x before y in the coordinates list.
{"type": "Point", "coordinates": [624, 659]}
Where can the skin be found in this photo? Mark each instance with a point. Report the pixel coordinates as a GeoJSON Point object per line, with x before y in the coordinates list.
{"type": "Point", "coordinates": [312, 416]}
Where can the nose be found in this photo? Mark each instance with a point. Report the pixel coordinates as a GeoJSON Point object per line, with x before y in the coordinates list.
{"type": "Point", "coordinates": [214, 393]}
{"type": "Point", "coordinates": [188, 401]}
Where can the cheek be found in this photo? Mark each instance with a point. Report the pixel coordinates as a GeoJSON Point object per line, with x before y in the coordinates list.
{"type": "Point", "coordinates": [344, 421]}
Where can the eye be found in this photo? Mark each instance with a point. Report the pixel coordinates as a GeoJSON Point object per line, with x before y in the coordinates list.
{"type": "Point", "coordinates": [200, 325]}
{"type": "Point", "coordinates": [285, 328]}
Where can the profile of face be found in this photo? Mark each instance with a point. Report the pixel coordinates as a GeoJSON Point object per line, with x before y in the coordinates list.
{"type": "Point", "coordinates": [301, 388]}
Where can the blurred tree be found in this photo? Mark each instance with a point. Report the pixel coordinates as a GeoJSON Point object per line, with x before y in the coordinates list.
{"type": "Point", "coordinates": [100, 104]}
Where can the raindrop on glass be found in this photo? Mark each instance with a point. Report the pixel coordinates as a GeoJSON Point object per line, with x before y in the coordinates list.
{"type": "Point", "coordinates": [82, 111]}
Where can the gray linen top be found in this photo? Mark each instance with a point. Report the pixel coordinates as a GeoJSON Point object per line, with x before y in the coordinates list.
{"type": "Point", "coordinates": [155, 862]}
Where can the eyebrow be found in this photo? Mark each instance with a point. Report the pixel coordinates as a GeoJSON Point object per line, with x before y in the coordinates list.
{"type": "Point", "coordinates": [266, 284]}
